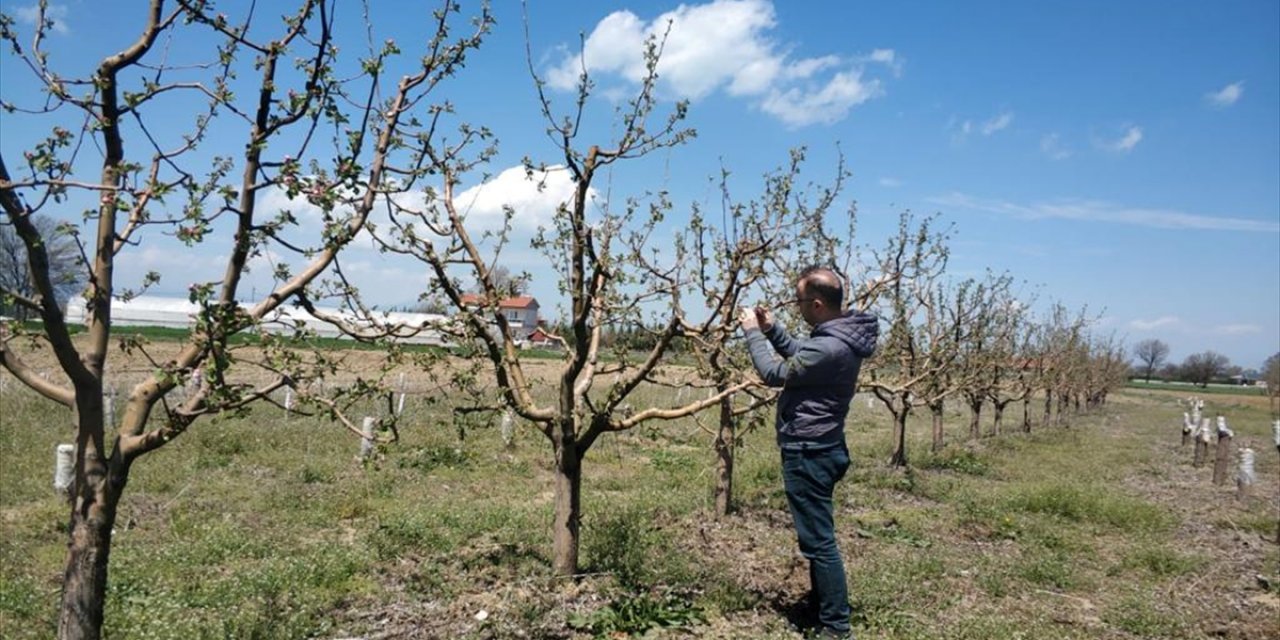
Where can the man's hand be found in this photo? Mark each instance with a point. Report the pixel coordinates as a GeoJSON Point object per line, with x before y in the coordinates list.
{"type": "Point", "coordinates": [764, 318]}
{"type": "Point", "coordinates": [748, 318]}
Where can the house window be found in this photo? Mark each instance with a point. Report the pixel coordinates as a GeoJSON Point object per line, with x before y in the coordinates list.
{"type": "Point", "coordinates": [513, 315]}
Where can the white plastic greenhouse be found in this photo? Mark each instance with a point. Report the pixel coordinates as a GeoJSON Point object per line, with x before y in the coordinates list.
{"type": "Point", "coordinates": [178, 313]}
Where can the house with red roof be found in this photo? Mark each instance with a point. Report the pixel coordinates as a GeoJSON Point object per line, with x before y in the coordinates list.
{"type": "Point", "coordinates": [521, 312]}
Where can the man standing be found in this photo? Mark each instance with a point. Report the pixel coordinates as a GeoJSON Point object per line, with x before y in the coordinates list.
{"type": "Point", "coordinates": [818, 377]}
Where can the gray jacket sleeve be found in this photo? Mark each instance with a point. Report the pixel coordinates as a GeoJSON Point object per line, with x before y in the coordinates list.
{"type": "Point", "coordinates": [802, 366]}
{"type": "Point", "coordinates": [781, 340]}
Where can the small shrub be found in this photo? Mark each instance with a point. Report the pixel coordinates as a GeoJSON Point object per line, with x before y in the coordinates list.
{"type": "Point", "coordinates": [351, 507]}
{"type": "Point", "coordinates": [959, 461]}
{"type": "Point", "coordinates": [726, 595]}
{"type": "Point", "coordinates": [218, 450]}
{"type": "Point", "coordinates": [1049, 569]}
{"type": "Point", "coordinates": [1092, 504]}
{"type": "Point", "coordinates": [396, 535]}
{"type": "Point", "coordinates": [1261, 523]}
{"type": "Point", "coordinates": [668, 461]}
{"type": "Point", "coordinates": [622, 544]}
{"type": "Point", "coordinates": [1162, 562]}
{"type": "Point", "coordinates": [426, 459]}
{"type": "Point", "coordinates": [1137, 616]}
{"type": "Point", "coordinates": [311, 475]}
{"type": "Point", "coordinates": [892, 530]}
{"type": "Point", "coordinates": [638, 613]}
{"type": "Point", "coordinates": [994, 584]}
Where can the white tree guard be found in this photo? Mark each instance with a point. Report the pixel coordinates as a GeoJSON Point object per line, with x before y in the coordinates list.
{"type": "Point", "coordinates": [508, 428]}
{"type": "Point", "coordinates": [64, 462]}
{"type": "Point", "coordinates": [1222, 428]}
{"type": "Point", "coordinates": [400, 402]}
{"type": "Point", "coordinates": [366, 442]}
{"type": "Point", "coordinates": [1245, 477]}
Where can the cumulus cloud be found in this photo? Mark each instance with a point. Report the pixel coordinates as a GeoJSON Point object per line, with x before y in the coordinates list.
{"type": "Point", "coordinates": [1226, 96]}
{"type": "Point", "coordinates": [1125, 143]}
{"type": "Point", "coordinates": [798, 106]}
{"type": "Point", "coordinates": [724, 45]}
{"type": "Point", "coordinates": [1147, 325]}
{"type": "Point", "coordinates": [1051, 146]}
{"type": "Point", "coordinates": [534, 198]}
{"type": "Point", "coordinates": [1098, 211]}
{"type": "Point", "coordinates": [54, 13]}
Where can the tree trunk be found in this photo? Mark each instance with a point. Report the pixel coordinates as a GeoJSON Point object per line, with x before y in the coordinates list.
{"type": "Point", "coordinates": [1026, 414]}
{"type": "Point", "coordinates": [938, 437]}
{"type": "Point", "coordinates": [99, 483]}
{"type": "Point", "coordinates": [1048, 407]}
{"type": "Point", "coordinates": [725, 440]}
{"type": "Point", "coordinates": [899, 458]}
{"type": "Point", "coordinates": [997, 416]}
{"type": "Point", "coordinates": [975, 415]}
{"type": "Point", "coordinates": [568, 510]}
{"type": "Point", "coordinates": [1202, 449]}
{"type": "Point", "coordinates": [1223, 461]}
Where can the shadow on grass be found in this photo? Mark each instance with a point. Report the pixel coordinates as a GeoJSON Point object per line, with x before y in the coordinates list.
{"type": "Point", "coordinates": [799, 612]}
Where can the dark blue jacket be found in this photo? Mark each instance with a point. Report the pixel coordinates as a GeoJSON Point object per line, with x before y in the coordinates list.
{"type": "Point", "coordinates": [818, 376]}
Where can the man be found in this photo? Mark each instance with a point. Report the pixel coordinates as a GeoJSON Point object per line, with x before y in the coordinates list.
{"type": "Point", "coordinates": [818, 377]}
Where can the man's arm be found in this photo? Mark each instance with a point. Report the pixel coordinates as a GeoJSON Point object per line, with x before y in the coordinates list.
{"type": "Point", "coordinates": [802, 367]}
{"type": "Point", "coordinates": [781, 340]}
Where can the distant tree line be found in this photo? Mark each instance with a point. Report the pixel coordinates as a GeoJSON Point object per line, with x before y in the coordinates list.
{"type": "Point", "coordinates": [1151, 363]}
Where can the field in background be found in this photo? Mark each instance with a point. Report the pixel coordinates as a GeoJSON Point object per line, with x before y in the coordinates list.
{"type": "Point", "coordinates": [1188, 389]}
{"type": "Point", "coordinates": [269, 527]}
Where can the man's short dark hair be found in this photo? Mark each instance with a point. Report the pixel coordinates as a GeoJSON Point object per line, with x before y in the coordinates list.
{"type": "Point", "coordinates": [823, 283]}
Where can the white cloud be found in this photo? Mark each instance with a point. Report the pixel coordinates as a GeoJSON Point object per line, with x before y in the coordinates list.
{"type": "Point", "coordinates": [997, 123]}
{"type": "Point", "coordinates": [1097, 211]}
{"type": "Point", "coordinates": [961, 129]}
{"type": "Point", "coordinates": [799, 107]}
{"type": "Point", "coordinates": [1227, 95]}
{"type": "Point", "coordinates": [1238, 329]}
{"type": "Point", "coordinates": [1147, 325]}
{"type": "Point", "coordinates": [383, 278]}
{"type": "Point", "coordinates": [1125, 143]}
{"type": "Point", "coordinates": [891, 183]}
{"type": "Point", "coordinates": [56, 13]}
{"type": "Point", "coordinates": [1051, 145]}
{"type": "Point", "coordinates": [724, 45]}
{"type": "Point", "coordinates": [534, 197]}
{"type": "Point", "coordinates": [888, 58]}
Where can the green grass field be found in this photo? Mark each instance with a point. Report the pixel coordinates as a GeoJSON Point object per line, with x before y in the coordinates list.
{"type": "Point", "coordinates": [1188, 389]}
{"type": "Point", "coordinates": [268, 527]}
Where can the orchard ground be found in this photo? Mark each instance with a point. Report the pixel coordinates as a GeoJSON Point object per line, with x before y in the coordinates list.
{"type": "Point", "coordinates": [269, 527]}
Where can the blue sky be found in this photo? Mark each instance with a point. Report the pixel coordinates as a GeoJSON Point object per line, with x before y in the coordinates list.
{"type": "Point", "coordinates": [1124, 156]}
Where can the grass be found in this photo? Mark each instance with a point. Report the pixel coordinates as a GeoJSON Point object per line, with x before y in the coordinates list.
{"type": "Point", "coordinates": [269, 528]}
{"type": "Point", "coordinates": [1188, 388]}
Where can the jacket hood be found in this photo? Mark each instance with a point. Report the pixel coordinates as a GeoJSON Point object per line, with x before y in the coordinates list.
{"type": "Point", "coordinates": [857, 329]}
